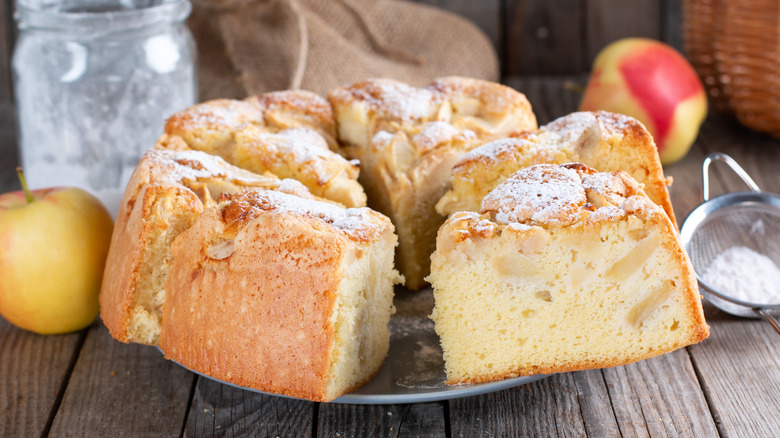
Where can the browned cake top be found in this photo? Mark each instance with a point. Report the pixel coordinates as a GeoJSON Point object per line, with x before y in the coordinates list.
{"type": "Point", "coordinates": [359, 224]}
{"type": "Point", "coordinates": [561, 195]}
{"type": "Point", "coordinates": [188, 166]}
{"type": "Point", "coordinates": [392, 100]}
{"type": "Point", "coordinates": [575, 132]}
{"type": "Point", "coordinates": [298, 101]}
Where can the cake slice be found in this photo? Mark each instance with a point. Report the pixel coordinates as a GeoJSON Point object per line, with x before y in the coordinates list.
{"type": "Point", "coordinates": [407, 140]}
{"type": "Point", "coordinates": [166, 193]}
{"type": "Point", "coordinates": [287, 133]}
{"type": "Point", "coordinates": [282, 294]}
{"type": "Point", "coordinates": [564, 269]}
{"type": "Point", "coordinates": [602, 140]}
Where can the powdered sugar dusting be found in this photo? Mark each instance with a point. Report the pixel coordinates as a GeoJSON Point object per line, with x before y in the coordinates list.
{"type": "Point", "coordinates": [193, 165]}
{"type": "Point", "coordinates": [606, 214]}
{"type": "Point", "coordinates": [358, 223]}
{"type": "Point", "coordinates": [293, 187]}
{"type": "Point", "coordinates": [744, 274]}
{"type": "Point", "coordinates": [518, 227]}
{"type": "Point", "coordinates": [614, 123]}
{"type": "Point", "coordinates": [309, 138]}
{"type": "Point", "coordinates": [292, 143]}
{"type": "Point", "coordinates": [180, 167]}
{"type": "Point", "coordinates": [544, 193]}
{"type": "Point", "coordinates": [222, 113]}
{"type": "Point", "coordinates": [382, 139]}
{"type": "Point", "coordinates": [433, 134]}
{"type": "Point", "coordinates": [493, 151]}
{"type": "Point", "coordinates": [301, 101]}
{"type": "Point", "coordinates": [568, 135]}
{"type": "Point", "coordinates": [398, 100]}
{"type": "Point", "coordinates": [572, 125]}
{"type": "Point", "coordinates": [609, 188]}
{"type": "Point", "coordinates": [484, 226]}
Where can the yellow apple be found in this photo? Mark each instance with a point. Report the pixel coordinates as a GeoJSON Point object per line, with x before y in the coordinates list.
{"type": "Point", "coordinates": [652, 82]}
{"type": "Point", "coordinates": [53, 247]}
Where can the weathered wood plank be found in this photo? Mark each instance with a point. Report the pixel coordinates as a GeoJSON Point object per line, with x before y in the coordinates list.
{"type": "Point", "coordinates": [610, 20]}
{"type": "Point", "coordinates": [340, 420]}
{"type": "Point", "coordinates": [6, 48]}
{"type": "Point", "coordinates": [423, 420]}
{"type": "Point", "coordinates": [547, 407]}
{"type": "Point", "coordinates": [222, 410]}
{"type": "Point", "coordinates": [33, 370]}
{"type": "Point", "coordinates": [738, 365]}
{"type": "Point", "coordinates": [595, 404]}
{"type": "Point", "coordinates": [671, 23]}
{"type": "Point", "coordinates": [544, 37]}
{"type": "Point", "coordinates": [9, 156]}
{"type": "Point", "coordinates": [485, 14]}
{"type": "Point", "coordinates": [659, 397]}
{"type": "Point", "coordinates": [122, 390]}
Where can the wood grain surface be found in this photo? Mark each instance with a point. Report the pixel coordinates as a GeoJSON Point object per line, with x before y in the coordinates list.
{"type": "Point", "coordinates": [121, 390]}
{"type": "Point", "coordinates": [7, 35]}
{"type": "Point", "coordinates": [86, 384]}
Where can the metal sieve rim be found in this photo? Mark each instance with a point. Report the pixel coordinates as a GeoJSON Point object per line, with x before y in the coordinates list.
{"type": "Point", "coordinates": [707, 208]}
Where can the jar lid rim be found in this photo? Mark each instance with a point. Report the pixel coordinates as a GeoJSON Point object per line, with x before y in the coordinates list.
{"type": "Point", "coordinates": [114, 20]}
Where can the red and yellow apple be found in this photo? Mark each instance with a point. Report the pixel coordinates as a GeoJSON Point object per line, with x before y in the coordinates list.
{"type": "Point", "coordinates": [53, 247]}
{"type": "Point", "coordinates": [652, 82]}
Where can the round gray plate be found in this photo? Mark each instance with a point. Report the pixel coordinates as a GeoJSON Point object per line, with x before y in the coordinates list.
{"type": "Point", "coordinates": [414, 369]}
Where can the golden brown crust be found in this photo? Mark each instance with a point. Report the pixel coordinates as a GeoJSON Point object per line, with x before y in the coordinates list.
{"type": "Point", "coordinates": [140, 217]}
{"type": "Point", "coordinates": [259, 295]}
{"type": "Point", "coordinates": [287, 133]}
{"type": "Point", "coordinates": [167, 189]}
{"type": "Point", "coordinates": [266, 268]}
{"type": "Point", "coordinates": [496, 98]}
{"type": "Point", "coordinates": [357, 224]}
{"type": "Point", "coordinates": [291, 109]}
{"type": "Point", "coordinates": [601, 140]}
{"type": "Point", "coordinates": [551, 195]}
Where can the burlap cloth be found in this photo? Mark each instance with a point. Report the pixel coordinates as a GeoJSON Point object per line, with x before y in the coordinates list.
{"type": "Point", "coordinates": [248, 47]}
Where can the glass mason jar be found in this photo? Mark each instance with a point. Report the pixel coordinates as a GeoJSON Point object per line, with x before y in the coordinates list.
{"type": "Point", "coordinates": [94, 82]}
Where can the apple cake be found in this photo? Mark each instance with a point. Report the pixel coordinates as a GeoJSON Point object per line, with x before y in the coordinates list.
{"type": "Point", "coordinates": [564, 268]}
{"type": "Point", "coordinates": [282, 294]}
{"type": "Point", "coordinates": [407, 140]}
{"type": "Point", "coordinates": [166, 193]}
{"type": "Point", "coordinates": [287, 133]}
{"type": "Point", "coordinates": [602, 140]}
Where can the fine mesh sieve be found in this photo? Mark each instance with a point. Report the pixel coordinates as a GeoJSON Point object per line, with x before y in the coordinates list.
{"type": "Point", "coordinates": [747, 219]}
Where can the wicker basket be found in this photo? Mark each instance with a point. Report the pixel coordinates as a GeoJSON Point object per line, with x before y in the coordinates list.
{"type": "Point", "coordinates": [735, 47]}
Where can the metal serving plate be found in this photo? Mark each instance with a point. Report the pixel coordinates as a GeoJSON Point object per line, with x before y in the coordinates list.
{"type": "Point", "coordinates": [414, 369]}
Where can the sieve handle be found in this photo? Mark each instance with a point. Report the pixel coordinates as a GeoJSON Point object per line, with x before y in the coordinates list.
{"type": "Point", "coordinates": [771, 319]}
{"type": "Point", "coordinates": [705, 178]}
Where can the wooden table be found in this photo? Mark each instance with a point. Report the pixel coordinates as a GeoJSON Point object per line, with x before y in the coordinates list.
{"type": "Point", "coordinates": [86, 384]}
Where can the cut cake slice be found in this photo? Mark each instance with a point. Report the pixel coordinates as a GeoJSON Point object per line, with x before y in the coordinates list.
{"type": "Point", "coordinates": [565, 269]}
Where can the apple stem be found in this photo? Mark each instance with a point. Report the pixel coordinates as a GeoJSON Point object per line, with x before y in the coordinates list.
{"type": "Point", "coordinates": [571, 86]}
{"type": "Point", "coordinates": [27, 194]}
